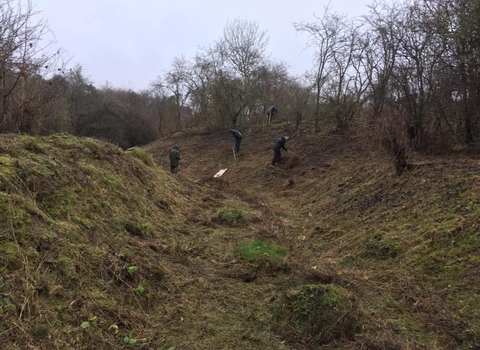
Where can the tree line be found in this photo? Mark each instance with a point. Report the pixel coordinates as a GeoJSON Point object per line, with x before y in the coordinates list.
{"type": "Point", "coordinates": [406, 74]}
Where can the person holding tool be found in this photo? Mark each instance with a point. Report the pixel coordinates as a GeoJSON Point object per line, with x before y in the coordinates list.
{"type": "Point", "coordinates": [238, 138]}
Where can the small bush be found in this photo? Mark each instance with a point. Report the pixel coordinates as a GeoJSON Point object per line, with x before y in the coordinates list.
{"type": "Point", "coordinates": [139, 153]}
{"type": "Point", "coordinates": [316, 314]}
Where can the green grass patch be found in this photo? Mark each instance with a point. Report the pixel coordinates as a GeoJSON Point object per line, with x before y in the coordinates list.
{"type": "Point", "coordinates": [230, 217]}
{"type": "Point", "coordinates": [140, 154]}
{"type": "Point", "coordinates": [259, 250]}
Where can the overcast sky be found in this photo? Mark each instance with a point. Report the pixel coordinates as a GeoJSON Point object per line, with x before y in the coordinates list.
{"type": "Point", "coordinates": [131, 42]}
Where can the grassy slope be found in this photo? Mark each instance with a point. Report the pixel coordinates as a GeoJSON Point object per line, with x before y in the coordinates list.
{"type": "Point", "coordinates": [91, 234]}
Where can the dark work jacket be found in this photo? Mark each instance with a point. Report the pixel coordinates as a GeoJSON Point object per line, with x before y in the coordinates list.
{"type": "Point", "coordinates": [272, 110]}
{"type": "Point", "coordinates": [237, 134]}
{"type": "Point", "coordinates": [174, 157]}
{"type": "Point", "coordinates": [280, 143]}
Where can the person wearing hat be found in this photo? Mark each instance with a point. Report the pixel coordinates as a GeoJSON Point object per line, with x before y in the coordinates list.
{"type": "Point", "coordinates": [238, 139]}
{"type": "Point", "coordinates": [279, 144]}
{"type": "Point", "coordinates": [174, 159]}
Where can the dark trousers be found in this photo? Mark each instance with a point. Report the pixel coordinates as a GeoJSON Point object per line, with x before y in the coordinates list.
{"type": "Point", "coordinates": [173, 169]}
{"type": "Point", "coordinates": [276, 156]}
{"type": "Point", "coordinates": [237, 145]}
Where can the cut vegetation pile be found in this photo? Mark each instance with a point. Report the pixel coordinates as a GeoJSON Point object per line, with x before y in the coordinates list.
{"type": "Point", "coordinates": [101, 248]}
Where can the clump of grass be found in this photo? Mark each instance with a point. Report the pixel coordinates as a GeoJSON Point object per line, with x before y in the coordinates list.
{"type": "Point", "coordinates": [259, 250]}
{"type": "Point", "coordinates": [264, 256]}
{"type": "Point", "coordinates": [316, 314]}
{"type": "Point", "coordinates": [381, 247]}
{"type": "Point", "coordinates": [65, 266]}
{"type": "Point", "coordinates": [139, 153]}
{"type": "Point", "coordinates": [230, 217]}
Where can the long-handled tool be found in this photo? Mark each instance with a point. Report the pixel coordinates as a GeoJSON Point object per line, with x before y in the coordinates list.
{"type": "Point", "coordinates": [297, 155]}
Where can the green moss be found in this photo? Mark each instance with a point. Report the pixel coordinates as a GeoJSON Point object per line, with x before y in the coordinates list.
{"type": "Point", "coordinates": [113, 180]}
{"type": "Point", "coordinates": [65, 266]}
{"type": "Point", "coordinates": [10, 255]}
{"type": "Point", "coordinates": [9, 248]}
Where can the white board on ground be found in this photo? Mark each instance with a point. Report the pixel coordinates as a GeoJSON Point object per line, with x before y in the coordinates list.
{"type": "Point", "coordinates": [220, 172]}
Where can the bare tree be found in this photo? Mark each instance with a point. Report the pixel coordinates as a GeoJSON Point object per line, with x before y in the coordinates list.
{"type": "Point", "coordinates": [460, 29]}
{"type": "Point", "coordinates": [420, 57]}
{"type": "Point", "coordinates": [382, 54]}
{"type": "Point", "coordinates": [347, 82]}
{"type": "Point", "coordinates": [300, 96]}
{"type": "Point", "coordinates": [324, 37]}
{"type": "Point", "coordinates": [175, 81]}
{"type": "Point", "coordinates": [242, 47]}
{"type": "Point", "coordinates": [242, 50]}
{"type": "Point", "coordinates": [23, 61]}
{"type": "Point", "coordinates": [200, 80]}
{"type": "Point", "coordinates": [382, 41]}
{"type": "Point", "coordinates": [273, 89]}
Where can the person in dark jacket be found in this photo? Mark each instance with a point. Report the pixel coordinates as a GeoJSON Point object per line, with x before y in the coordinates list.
{"type": "Point", "coordinates": [238, 138]}
{"type": "Point", "coordinates": [272, 111]}
{"type": "Point", "coordinates": [279, 144]}
{"type": "Point", "coordinates": [174, 159]}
